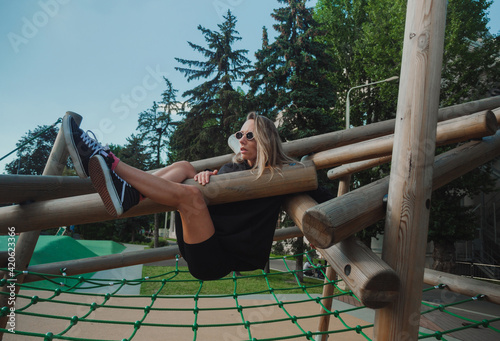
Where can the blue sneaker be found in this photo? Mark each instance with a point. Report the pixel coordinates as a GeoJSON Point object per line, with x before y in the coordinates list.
{"type": "Point", "coordinates": [117, 195]}
{"type": "Point", "coordinates": [81, 146]}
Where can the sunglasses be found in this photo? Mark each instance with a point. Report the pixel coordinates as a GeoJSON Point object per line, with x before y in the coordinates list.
{"type": "Point", "coordinates": [248, 135]}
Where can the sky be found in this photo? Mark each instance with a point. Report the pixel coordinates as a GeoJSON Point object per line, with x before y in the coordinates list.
{"type": "Point", "coordinates": [106, 59]}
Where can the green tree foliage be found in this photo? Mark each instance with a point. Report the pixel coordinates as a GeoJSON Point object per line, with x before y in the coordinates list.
{"type": "Point", "coordinates": [216, 107]}
{"type": "Point", "coordinates": [134, 153]}
{"type": "Point", "coordinates": [471, 67]}
{"type": "Point", "coordinates": [34, 153]}
{"type": "Point", "coordinates": [365, 39]}
{"type": "Point", "coordinates": [290, 80]}
{"type": "Point", "coordinates": [155, 124]}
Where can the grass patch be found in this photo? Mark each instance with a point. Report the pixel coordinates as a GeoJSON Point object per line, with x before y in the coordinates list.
{"type": "Point", "coordinates": [183, 283]}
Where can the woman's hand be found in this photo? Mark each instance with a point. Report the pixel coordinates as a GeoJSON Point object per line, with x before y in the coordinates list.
{"type": "Point", "coordinates": [203, 178]}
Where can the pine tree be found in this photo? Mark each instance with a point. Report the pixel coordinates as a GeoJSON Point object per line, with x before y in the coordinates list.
{"type": "Point", "coordinates": [155, 125]}
{"type": "Point", "coordinates": [290, 78]}
{"type": "Point", "coordinates": [216, 107]}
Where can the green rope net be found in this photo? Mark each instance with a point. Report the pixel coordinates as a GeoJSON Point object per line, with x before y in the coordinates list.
{"type": "Point", "coordinates": [275, 306]}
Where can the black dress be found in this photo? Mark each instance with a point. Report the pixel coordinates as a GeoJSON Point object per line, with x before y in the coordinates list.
{"type": "Point", "coordinates": [243, 236]}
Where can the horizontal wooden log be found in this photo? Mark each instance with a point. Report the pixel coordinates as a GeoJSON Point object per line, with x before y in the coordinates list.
{"type": "Point", "coordinates": [458, 129]}
{"type": "Point", "coordinates": [354, 167]}
{"type": "Point", "coordinates": [287, 233]}
{"type": "Point", "coordinates": [30, 190]}
{"type": "Point", "coordinates": [26, 188]}
{"type": "Point", "coordinates": [468, 108]}
{"type": "Point", "coordinates": [100, 263]}
{"type": "Point", "coordinates": [314, 144]}
{"type": "Point", "coordinates": [351, 168]}
{"type": "Point", "coordinates": [464, 286]}
{"type": "Point", "coordinates": [366, 274]}
{"type": "Point", "coordinates": [93, 264]}
{"type": "Point", "coordinates": [332, 221]}
{"type": "Point", "coordinates": [222, 188]}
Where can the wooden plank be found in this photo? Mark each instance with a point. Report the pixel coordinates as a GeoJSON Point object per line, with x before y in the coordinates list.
{"type": "Point", "coordinates": [222, 188]}
{"type": "Point", "coordinates": [410, 188]}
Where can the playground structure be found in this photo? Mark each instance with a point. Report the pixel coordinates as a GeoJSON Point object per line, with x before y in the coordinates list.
{"type": "Point", "coordinates": [391, 284]}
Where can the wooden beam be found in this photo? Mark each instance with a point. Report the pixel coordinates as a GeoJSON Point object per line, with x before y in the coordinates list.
{"type": "Point", "coordinates": [371, 280]}
{"type": "Point", "coordinates": [332, 221]}
{"type": "Point", "coordinates": [354, 167]}
{"type": "Point", "coordinates": [28, 188]}
{"type": "Point", "coordinates": [222, 188]}
{"type": "Point", "coordinates": [26, 242]}
{"type": "Point", "coordinates": [351, 168]}
{"type": "Point", "coordinates": [463, 285]}
{"type": "Point", "coordinates": [100, 263]}
{"type": "Point", "coordinates": [93, 264]}
{"type": "Point", "coordinates": [410, 188]}
{"type": "Point", "coordinates": [330, 275]}
{"type": "Point", "coordinates": [314, 144]}
{"type": "Point", "coordinates": [458, 129]}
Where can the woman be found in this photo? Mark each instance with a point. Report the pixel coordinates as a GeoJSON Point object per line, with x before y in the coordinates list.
{"type": "Point", "coordinates": [213, 240]}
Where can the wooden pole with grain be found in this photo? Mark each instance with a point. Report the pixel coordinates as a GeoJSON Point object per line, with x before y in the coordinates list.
{"type": "Point", "coordinates": [26, 242]}
{"type": "Point", "coordinates": [373, 282]}
{"type": "Point", "coordinates": [222, 189]}
{"type": "Point", "coordinates": [324, 320]}
{"type": "Point", "coordinates": [410, 187]}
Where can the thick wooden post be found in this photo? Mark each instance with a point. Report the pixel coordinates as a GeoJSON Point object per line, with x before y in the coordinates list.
{"type": "Point", "coordinates": [368, 276]}
{"type": "Point", "coordinates": [410, 187]}
{"type": "Point", "coordinates": [324, 320]}
{"type": "Point", "coordinates": [27, 240]}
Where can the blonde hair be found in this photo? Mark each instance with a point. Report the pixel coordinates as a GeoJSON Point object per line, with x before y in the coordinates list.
{"type": "Point", "coordinates": [270, 152]}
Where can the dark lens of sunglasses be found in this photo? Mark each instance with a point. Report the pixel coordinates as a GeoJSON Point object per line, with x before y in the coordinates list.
{"type": "Point", "coordinates": [248, 135]}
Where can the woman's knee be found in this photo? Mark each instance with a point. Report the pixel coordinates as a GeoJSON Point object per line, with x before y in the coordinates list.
{"type": "Point", "coordinates": [192, 199]}
{"type": "Point", "coordinates": [186, 167]}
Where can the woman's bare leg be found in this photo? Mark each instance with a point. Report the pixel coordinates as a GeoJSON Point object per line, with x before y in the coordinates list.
{"type": "Point", "coordinates": [177, 172]}
{"type": "Point", "coordinates": [188, 200]}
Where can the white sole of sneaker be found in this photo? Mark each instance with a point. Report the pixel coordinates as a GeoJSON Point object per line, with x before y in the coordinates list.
{"type": "Point", "coordinates": [103, 183]}
{"type": "Point", "coordinates": [70, 145]}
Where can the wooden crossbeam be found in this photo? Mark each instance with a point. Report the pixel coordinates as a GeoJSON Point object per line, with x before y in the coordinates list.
{"type": "Point", "coordinates": [28, 188]}
{"type": "Point", "coordinates": [314, 144]}
{"type": "Point", "coordinates": [368, 276]}
{"type": "Point", "coordinates": [100, 263]}
{"type": "Point", "coordinates": [335, 220]}
{"type": "Point", "coordinates": [222, 188]}
{"type": "Point", "coordinates": [458, 129]}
